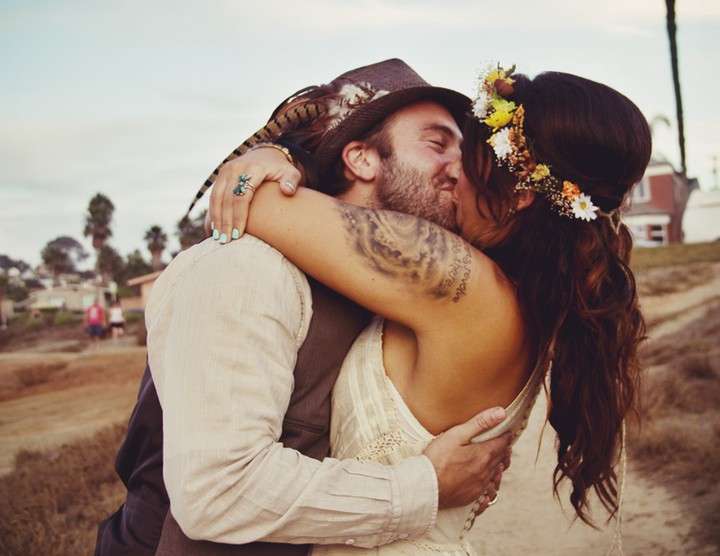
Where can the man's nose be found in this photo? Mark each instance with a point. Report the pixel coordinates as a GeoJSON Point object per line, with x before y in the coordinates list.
{"type": "Point", "coordinates": [454, 169]}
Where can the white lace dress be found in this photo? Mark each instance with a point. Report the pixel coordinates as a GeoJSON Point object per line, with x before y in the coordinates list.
{"type": "Point", "coordinates": [371, 422]}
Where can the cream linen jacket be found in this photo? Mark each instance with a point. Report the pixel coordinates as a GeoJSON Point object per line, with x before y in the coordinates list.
{"type": "Point", "coordinates": [224, 325]}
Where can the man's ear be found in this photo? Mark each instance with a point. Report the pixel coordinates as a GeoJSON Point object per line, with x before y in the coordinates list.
{"type": "Point", "coordinates": [361, 162]}
{"type": "Point", "coordinates": [523, 199]}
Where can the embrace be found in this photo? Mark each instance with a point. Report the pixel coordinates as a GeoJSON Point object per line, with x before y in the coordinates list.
{"type": "Point", "coordinates": [349, 376]}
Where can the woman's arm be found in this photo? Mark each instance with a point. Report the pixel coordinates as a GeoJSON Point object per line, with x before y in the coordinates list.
{"type": "Point", "coordinates": [399, 266]}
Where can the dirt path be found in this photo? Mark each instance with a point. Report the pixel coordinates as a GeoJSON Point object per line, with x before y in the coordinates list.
{"type": "Point", "coordinates": [89, 391]}
{"type": "Point", "coordinates": [669, 312]}
{"type": "Point", "coordinates": [528, 520]}
{"type": "Point", "coordinates": [83, 392]}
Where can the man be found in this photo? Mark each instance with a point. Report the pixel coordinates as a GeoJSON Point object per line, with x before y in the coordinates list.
{"type": "Point", "coordinates": [226, 327]}
{"type": "Point", "coordinates": [95, 320]}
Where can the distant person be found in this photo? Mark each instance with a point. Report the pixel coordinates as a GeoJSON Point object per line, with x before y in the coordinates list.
{"type": "Point", "coordinates": [117, 320]}
{"type": "Point", "coordinates": [95, 320]}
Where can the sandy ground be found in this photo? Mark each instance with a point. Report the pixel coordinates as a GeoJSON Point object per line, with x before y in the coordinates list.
{"type": "Point", "coordinates": [667, 313]}
{"type": "Point", "coordinates": [82, 402]}
{"type": "Point", "coordinates": [526, 519]}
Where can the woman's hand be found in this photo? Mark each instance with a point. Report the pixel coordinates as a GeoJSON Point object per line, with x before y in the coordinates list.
{"type": "Point", "coordinates": [235, 186]}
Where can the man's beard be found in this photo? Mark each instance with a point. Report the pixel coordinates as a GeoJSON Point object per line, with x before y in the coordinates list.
{"type": "Point", "coordinates": [406, 189]}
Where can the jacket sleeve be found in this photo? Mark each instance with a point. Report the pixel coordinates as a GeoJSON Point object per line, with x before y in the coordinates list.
{"type": "Point", "coordinates": [223, 336]}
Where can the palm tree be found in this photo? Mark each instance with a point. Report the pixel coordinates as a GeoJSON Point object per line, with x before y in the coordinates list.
{"type": "Point", "coordinates": [672, 36]}
{"type": "Point", "coordinates": [191, 231]}
{"type": "Point", "coordinates": [97, 223]}
{"type": "Point", "coordinates": [156, 243]}
{"type": "Point", "coordinates": [110, 264]}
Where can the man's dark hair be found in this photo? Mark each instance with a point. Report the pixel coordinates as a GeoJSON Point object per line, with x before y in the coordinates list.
{"type": "Point", "coordinates": [333, 181]}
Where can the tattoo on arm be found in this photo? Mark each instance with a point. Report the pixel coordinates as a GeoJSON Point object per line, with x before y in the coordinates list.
{"type": "Point", "coordinates": [409, 249]}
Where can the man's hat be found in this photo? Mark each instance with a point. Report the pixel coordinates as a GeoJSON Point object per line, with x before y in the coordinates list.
{"type": "Point", "coordinates": [367, 96]}
{"type": "Point", "coordinates": [372, 93]}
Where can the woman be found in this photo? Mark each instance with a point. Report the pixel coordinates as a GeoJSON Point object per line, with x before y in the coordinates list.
{"type": "Point", "coordinates": [541, 277]}
{"type": "Point", "coordinates": [117, 320]}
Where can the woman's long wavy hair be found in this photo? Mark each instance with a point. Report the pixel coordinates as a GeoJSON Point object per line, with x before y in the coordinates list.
{"type": "Point", "coordinates": [574, 284]}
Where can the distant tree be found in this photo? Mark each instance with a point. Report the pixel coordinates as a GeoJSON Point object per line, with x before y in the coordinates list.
{"type": "Point", "coordinates": [57, 260]}
{"type": "Point", "coordinates": [672, 37]}
{"type": "Point", "coordinates": [110, 264]}
{"type": "Point", "coordinates": [72, 247]}
{"type": "Point", "coordinates": [156, 243]}
{"type": "Point", "coordinates": [97, 223]}
{"type": "Point", "coordinates": [17, 291]}
{"type": "Point", "coordinates": [191, 230]}
{"type": "Point", "coordinates": [62, 254]}
{"type": "Point", "coordinates": [7, 263]}
{"type": "Point", "coordinates": [136, 265]}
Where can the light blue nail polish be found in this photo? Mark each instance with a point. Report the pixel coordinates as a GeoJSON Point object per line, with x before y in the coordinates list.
{"type": "Point", "coordinates": [216, 234]}
{"type": "Point", "coordinates": [223, 238]}
{"type": "Point", "coordinates": [235, 233]}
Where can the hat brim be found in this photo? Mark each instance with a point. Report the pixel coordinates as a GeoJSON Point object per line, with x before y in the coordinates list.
{"type": "Point", "coordinates": [365, 117]}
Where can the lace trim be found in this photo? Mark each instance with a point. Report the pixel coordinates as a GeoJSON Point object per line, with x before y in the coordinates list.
{"type": "Point", "coordinates": [382, 446]}
{"type": "Point", "coordinates": [474, 511]}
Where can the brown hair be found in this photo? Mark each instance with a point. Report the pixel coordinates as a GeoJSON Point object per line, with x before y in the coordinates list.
{"type": "Point", "coordinates": [574, 284]}
{"type": "Point", "coordinates": [309, 136]}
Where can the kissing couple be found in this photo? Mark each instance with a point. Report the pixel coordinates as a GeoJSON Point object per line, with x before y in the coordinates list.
{"type": "Point", "coordinates": [349, 376]}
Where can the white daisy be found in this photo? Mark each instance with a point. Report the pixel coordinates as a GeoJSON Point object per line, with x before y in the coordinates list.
{"type": "Point", "coordinates": [583, 208]}
{"type": "Point", "coordinates": [481, 104]}
{"type": "Point", "coordinates": [501, 144]}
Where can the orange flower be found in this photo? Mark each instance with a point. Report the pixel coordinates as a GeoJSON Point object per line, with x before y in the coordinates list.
{"type": "Point", "coordinates": [570, 190]}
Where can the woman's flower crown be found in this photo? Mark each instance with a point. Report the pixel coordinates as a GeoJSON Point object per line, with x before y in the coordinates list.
{"type": "Point", "coordinates": [507, 120]}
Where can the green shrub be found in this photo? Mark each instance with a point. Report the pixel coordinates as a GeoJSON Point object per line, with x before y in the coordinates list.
{"type": "Point", "coordinates": [35, 324]}
{"type": "Point", "coordinates": [63, 318]}
{"type": "Point", "coordinates": [134, 316]}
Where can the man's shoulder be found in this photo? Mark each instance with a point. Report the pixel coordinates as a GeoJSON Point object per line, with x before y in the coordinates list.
{"type": "Point", "coordinates": [248, 254]}
{"type": "Point", "coordinates": [235, 265]}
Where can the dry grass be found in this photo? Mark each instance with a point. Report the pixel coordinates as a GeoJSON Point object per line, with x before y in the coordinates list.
{"type": "Point", "coordinates": [664, 280]}
{"type": "Point", "coordinates": [28, 377]}
{"type": "Point", "coordinates": [53, 501]}
{"type": "Point", "coordinates": [26, 333]}
{"type": "Point", "coordinates": [678, 444]}
{"type": "Point", "coordinates": [645, 258]}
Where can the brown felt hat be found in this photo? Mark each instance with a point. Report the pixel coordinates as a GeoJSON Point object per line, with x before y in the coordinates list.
{"type": "Point", "coordinates": [368, 95]}
{"type": "Point", "coordinates": [373, 93]}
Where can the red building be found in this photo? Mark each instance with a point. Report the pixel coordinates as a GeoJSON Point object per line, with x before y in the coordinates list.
{"type": "Point", "coordinates": [654, 209]}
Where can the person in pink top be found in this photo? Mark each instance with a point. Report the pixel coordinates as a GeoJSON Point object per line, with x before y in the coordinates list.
{"type": "Point", "coordinates": [95, 320]}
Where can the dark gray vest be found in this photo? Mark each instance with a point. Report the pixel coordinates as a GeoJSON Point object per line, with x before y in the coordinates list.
{"type": "Point", "coordinates": [144, 522]}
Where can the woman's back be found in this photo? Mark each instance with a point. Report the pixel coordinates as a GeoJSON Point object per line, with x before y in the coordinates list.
{"type": "Point", "coordinates": [448, 373]}
{"type": "Point", "coordinates": [372, 422]}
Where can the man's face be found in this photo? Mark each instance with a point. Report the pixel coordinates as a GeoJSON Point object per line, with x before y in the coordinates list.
{"type": "Point", "coordinates": [422, 171]}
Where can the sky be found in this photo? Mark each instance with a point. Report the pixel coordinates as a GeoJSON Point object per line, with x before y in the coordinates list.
{"type": "Point", "coordinates": [141, 100]}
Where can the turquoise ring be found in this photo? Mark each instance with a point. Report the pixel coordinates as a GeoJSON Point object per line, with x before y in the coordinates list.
{"type": "Point", "coordinates": [243, 185]}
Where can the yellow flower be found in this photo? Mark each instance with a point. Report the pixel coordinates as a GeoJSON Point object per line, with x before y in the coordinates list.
{"type": "Point", "coordinates": [570, 190]}
{"type": "Point", "coordinates": [541, 171]}
{"type": "Point", "coordinates": [498, 74]}
{"type": "Point", "coordinates": [498, 119]}
{"type": "Point", "coordinates": [502, 105]}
